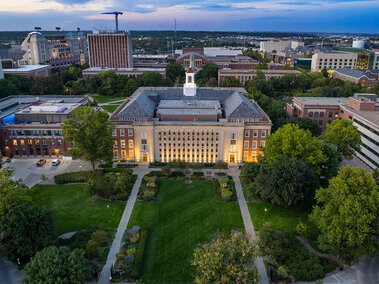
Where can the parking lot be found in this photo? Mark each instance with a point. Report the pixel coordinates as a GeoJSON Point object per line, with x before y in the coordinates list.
{"type": "Point", "coordinates": [27, 170]}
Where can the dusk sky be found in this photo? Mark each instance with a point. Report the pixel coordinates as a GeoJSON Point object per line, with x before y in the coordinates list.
{"type": "Point", "coordinates": [353, 16]}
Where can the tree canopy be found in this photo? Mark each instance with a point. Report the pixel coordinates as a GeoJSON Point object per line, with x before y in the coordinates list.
{"type": "Point", "coordinates": [174, 71]}
{"type": "Point", "coordinates": [57, 265]}
{"type": "Point", "coordinates": [291, 141]}
{"type": "Point", "coordinates": [231, 82]}
{"type": "Point", "coordinates": [27, 229]}
{"type": "Point", "coordinates": [208, 71]}
{"type": "Point", "coordinates": [347, 213]}
{"type": "Point", "coordinates": [152, 79]}
{"type": "Point", "coordinates": [345, 136]}
{"type": "Point", "coordinates": [226, 260]}
{"type": "Point", "coordinates": [303, 122]}
{"type": "Point", "coordinates": [90, 135]}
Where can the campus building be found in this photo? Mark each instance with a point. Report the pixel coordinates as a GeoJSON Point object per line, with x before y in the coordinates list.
{"type": "Point", "coordinates": [190, 124]}
{"type": "Point", "coordinates": [245, 75]}
{"type": "Point", "coordinates": [364, 78]}
{"type": "Point", "coordinates": [131, 72]}
{"type": "Point", "coordinates": [279, 45]}
{"type": "Point", "coordinates": [31, 126]}
{"type": "Point", "coordinates": [366, 59]}
{"type": "Point", "coordinates": [362, 109]}
{"type": "Point", "coordinates": [29, 71]}
{"type": "Point", "coordinates": [333, 60]}
{"type": "Point", "coordinates": [110, 50]}
{"type": "Point", "coordinates": [58, 50]}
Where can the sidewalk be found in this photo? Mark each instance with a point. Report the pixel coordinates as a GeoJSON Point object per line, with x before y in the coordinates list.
{"type": "Point", "coordinates": [116, 244]}
{"type": "Point", "coordinates": [249, 228]}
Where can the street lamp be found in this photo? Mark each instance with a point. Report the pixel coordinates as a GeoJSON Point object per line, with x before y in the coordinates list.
{"type": "Point", "coordinates": [265, 216]}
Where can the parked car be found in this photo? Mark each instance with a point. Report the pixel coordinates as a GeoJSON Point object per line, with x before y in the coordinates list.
{"type": "Point", "coordinates": [8, 160]}
{"type": "Point", "coordinates": [41, 162]}
{"type": "Point", "coordinates": [56, 162]}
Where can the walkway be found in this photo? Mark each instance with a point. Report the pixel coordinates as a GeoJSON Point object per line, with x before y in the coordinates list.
{"type": "Point", "coordinates": [116, 245]}
{"type": "Point", "coordinates": [249, 228]}
{"type": "Point", "coordinates": [9, 273]}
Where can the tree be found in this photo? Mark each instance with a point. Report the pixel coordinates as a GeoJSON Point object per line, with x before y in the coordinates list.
{"type": "Point", "coordinates": [57, 265]}
{"type": "Point", "coordinates": [249, 172]}
{"type": "Point", "coordinates": [231, 82]}
{"type": "Point", "coordinates": [130, 87]}
{"type": "Point", "coordinates": [152, 79]}
{"type": "Point", "coordinates": [291, 141]}
{"type": "Point", "coordinates": [259, 84]}
{"type": "Point", "coordinates": [108, 83]}
{"type": "Point", "coordinates": [174, 71]}
{"type": "Point", "coordinates": [286, 182]}
{"type": "Point", "coordinates": [303, 122]}
{"type": "Point", "coordinates": [330, 167]}
{"type": "Point", "coordinates": [212, 82]}
{"type": "Point", "coordinates": [90, 135]}
{"type": "Point", "coordinates": [347, 213]}
{"type": "Point", "coordinates": [27, 229]}
{"type": "Point", "coordinates": [12, 193]}
{"type": "Point", "coordinates": [226, 260]}
{"type": "Point", "coordinates": [345, 136]}
{"type": "Point", "coordinates": [208, 71]}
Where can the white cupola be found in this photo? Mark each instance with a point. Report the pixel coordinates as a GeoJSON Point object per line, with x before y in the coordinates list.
{"type": "Point", "coordinates": [189, 88]}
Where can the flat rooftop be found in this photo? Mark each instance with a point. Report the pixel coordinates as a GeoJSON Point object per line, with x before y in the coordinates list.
{"type": "Point", "coordinates": [188, 111]}
{"type": "Point", "coordinates": [26, 68]}
{"type": "Point", "coordinates": [321, 101]}
{"type": "Point", "coordinates": [50, 107]}
{"type": "Point", "coordinates": [370, 116]}
{"type": "Point", "coordinates": [13, 104]}
{"type": "Point", "coordinates": [189, 104]}
{"type": "Point", "coordinates": [98, 69]}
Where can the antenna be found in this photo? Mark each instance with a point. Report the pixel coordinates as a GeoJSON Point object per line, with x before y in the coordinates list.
{"type": "Point", "coordinates": [115, 16]}
{"type": "Point", "coordinates": [78, 29]}
{"type": "Point", "coordinates": [58, 28]}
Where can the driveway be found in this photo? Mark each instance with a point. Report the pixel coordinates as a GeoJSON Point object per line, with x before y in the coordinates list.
{"type": "Point", "coordinates": [9, 274]}
{"type": "Point", "coordinates": [27, 170]}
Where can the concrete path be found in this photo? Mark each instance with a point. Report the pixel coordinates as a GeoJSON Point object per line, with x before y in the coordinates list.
{"type": "Point", "coordinates": [249, 228]}
{"type": "Point", "coordinates": [116, 245]}
{"type": "Point", "coordinates": [9, 273]}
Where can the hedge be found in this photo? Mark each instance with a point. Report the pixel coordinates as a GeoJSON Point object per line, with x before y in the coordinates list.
{"type": "Point", "coordinates": [138, 260]}
{"type": "Point", "coordinates": [73, 177]}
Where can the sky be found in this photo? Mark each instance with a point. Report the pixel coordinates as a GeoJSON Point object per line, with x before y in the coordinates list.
{"type": "Point", "coordinates": [353, 16]}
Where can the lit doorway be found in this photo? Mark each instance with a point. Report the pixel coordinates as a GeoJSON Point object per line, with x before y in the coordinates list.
{"type": "Point", "coordinates": [232, 159]}
{"type": "Point", "coordinates": [144, 158]}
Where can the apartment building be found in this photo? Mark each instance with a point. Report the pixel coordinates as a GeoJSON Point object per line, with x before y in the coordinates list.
{"type": "Point", "coordinates": [333, 60]}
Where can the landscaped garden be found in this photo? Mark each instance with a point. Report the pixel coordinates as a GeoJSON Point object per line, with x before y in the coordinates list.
{"type": "Point", "coordinates": [74, 209]}
{"type": "Point", "coordinates": [106, 99]}
{"type": "Point", "coordinates": [184, 214]}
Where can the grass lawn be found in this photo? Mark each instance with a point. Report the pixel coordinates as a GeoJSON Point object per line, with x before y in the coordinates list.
{"type": "Point", "coordinates": [281, 218]}
{"type": "Point", "coordinates": [74, 209]}
{"type": "Point", "coordinates": [183, 216]}
{"type": "Point", "coordinates": [106, 99]}
{"type": "Point", "coordinates": [110, 108]}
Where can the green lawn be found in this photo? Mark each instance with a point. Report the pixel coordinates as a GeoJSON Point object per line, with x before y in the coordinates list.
{"type": "Point", "coordinates": [110, 108]}
{"type": "Point", "coordinates": [183, 216]}
{"type": "Point", "coordinates": [281, 218]}
{"type": "Point", "coordinates": [106, 99]}
{"type": "Point", "coordinates": [74, 209]}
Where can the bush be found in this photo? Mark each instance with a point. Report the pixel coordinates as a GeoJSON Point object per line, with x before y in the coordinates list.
{"type": "Point", "coordinates": [127, 264]}
{"type": "Point", "coordinates": [107, 165]}
{"type": "Point", "coordinates": [157, 164]}
{"type": "Point", "coordinates": [198, 174]}
{"type": "Point", "coordinates": [148, 195]}
{"type": "Point", "coordinates": [137, 265]}
{"type": "Point", "coordinates": [223, 182]}
{"type": "Point", "coordinates": [74, 177]}
{"type": "Point", "coordinates": [126, 165]}
{"type": "Point", "coordinates": [226, 195]}
{"type": "Point", "coordinates": [177, 174]}
{"type": "Point", "coordinates": [100, 237]}
{"type": "Point", "coordinates": [134, 238]}
{"type": "Point", "coordinates": [92, 250]}
{"type": "Point", "coordinates": [131, 251]}
{"type": "Point", "coordinates": [221, 165]}
{"type": "Point", "coordinates": [166, 170]}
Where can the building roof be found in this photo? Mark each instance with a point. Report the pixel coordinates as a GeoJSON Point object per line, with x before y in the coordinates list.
{"type": "Point", "coordinates": [321, 101]}
{"type": "Point", "coordinates": [26, 68]}
{"type": "Point", "coordinates": [356, 73]}
{"type": "Point", "coordinates": [370, 116]}
{"type": "Point", "coordinates": [99, 69]}
{"type": "Point", "coordinates": [172, 101]}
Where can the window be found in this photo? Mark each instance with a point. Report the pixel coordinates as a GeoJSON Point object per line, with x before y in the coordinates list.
{"type": "Point", "coordinates": [14, 142]}
{"type": "Point", "coordinates": [316, 114]}
{"type": "Point", "coordinates": [321, 114]}
{"type": "Point", "coordinates": [233, 136]}
{"type": "Point", "coordinates": [131, 144]}
{"type": "Point", "coordinates": [114, 133]}
{"type": "Point", "coordinates": [130, 132]}
{"type": "Point", "coordinates": [254, 145]}
{"type": "Point", "coordinates": [22, 142]}
{"type": "Point", "coordinates": [330, 114]}
{"type": "Point", "coordinates": [310, 113]}
{"type": "Point", "coordinates": [122, 132]}
{"type": "Point", "coordinates": [123, 154]}
{"type": "Point", "coordinates": [115, 145]}
{"type": "Point", "coordinates": [263, 143]}
{"type": "Point", "coordinates": [320, 122]}
{"type": "Point", "coordinates": [246, 145]}
{"type": "Point", "coordinates": [131, 154]}
{"type": "Point", "coordinates": [232, 148]}
{"type": "Point", "coordinates": [115, 154]}
{"type": "Point", "coordinates": [247, 133]}
{"type": "Point", "coordinates": [255, 133]}
{"type": "Point", "coordinates": [144, 147]}
{"type": "Point", "coordinates": [253, 155]}
{"type": "Point", "coordinates": [123, 144]}
{"type": "Point", "coordinates": [245, 155]}
{"type": "Point", "coordinates": [263, 133]}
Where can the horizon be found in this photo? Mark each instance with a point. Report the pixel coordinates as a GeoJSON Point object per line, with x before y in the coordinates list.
{"type": "Point", "coordinates": [281, 16]}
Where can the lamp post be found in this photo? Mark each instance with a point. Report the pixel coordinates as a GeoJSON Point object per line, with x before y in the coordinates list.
{"type": "Point", "coordinates": [265, 216]}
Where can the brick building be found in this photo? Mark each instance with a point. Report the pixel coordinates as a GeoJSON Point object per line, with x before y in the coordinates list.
{"type": "Point", "coordinates": [112, 50]}
{"type": "Point", "coordinates": [364, 78]}
{"type": "Point", "coordinates": [131, 72]}
{"type": "Point", "coordinates": [31, 126]}
{"type": "Point", "coordinates": [362, 109]}
{"type": "Point", "coordinates": [191, 124]}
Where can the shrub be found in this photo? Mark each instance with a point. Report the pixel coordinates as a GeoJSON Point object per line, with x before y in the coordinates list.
{"type": "Point", "coordinates": [198, 174]}
{"type": "Point", "coordinates": [137, 265]}
{"type": "Point", "coordinates": [302, 229]}
{"type": "Point", "coordinates": [134, 238]}
{"type": "Point", "coordinates": [107, 165]}
{"type": "Point", "coordinates": [131, 251]}
{"type": "Point", "coordinates": [92, 250]}
{"type": "Point", "coordinates": [126, 165]}
{"type": "Point", "coordinates": [126, 265]}
{"type": "Point", "coordinates": [177, 174]}
{"type": "Point", "coordinates": [157, 164]}
{"type": "Point", "coordinates": [166, 170]}
{"type": "Point", "coordinates": [221, 165]}
{"type": "Point", "coordinates": [223, 182]}
{"type": "Point", "coordinates": [148, 195]}
{"type": "Point", "coordinates": [226, 195]}
{"type": "Point", "coordinates": [100, 237]}
{"type": "Point", "coordinates": [74, 177]}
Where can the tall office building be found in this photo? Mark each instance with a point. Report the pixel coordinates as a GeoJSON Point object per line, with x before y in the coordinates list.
{"type": "Point", "coordinates": [110, 50]}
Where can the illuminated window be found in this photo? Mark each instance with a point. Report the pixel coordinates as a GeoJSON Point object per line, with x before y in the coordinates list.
{"type": "Point", "coordinates": [123, 144]}
{"type": "Point", "coordinates": [245, 155]}
{"type": "Point", "coordinates": [14, 142]}
{"type": "Point", "coordinates": [131, 154]}
{"type": "Point", "coordinates": [131, 144]}
{"type": "Point", "coordinates": [253, 155]}
{"type": "Point", "coordinates": [115, 145]}
{"type": "Point", "coordinates": [232, 148]}
{"type": "Point", "coordinates": [22, 142]}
